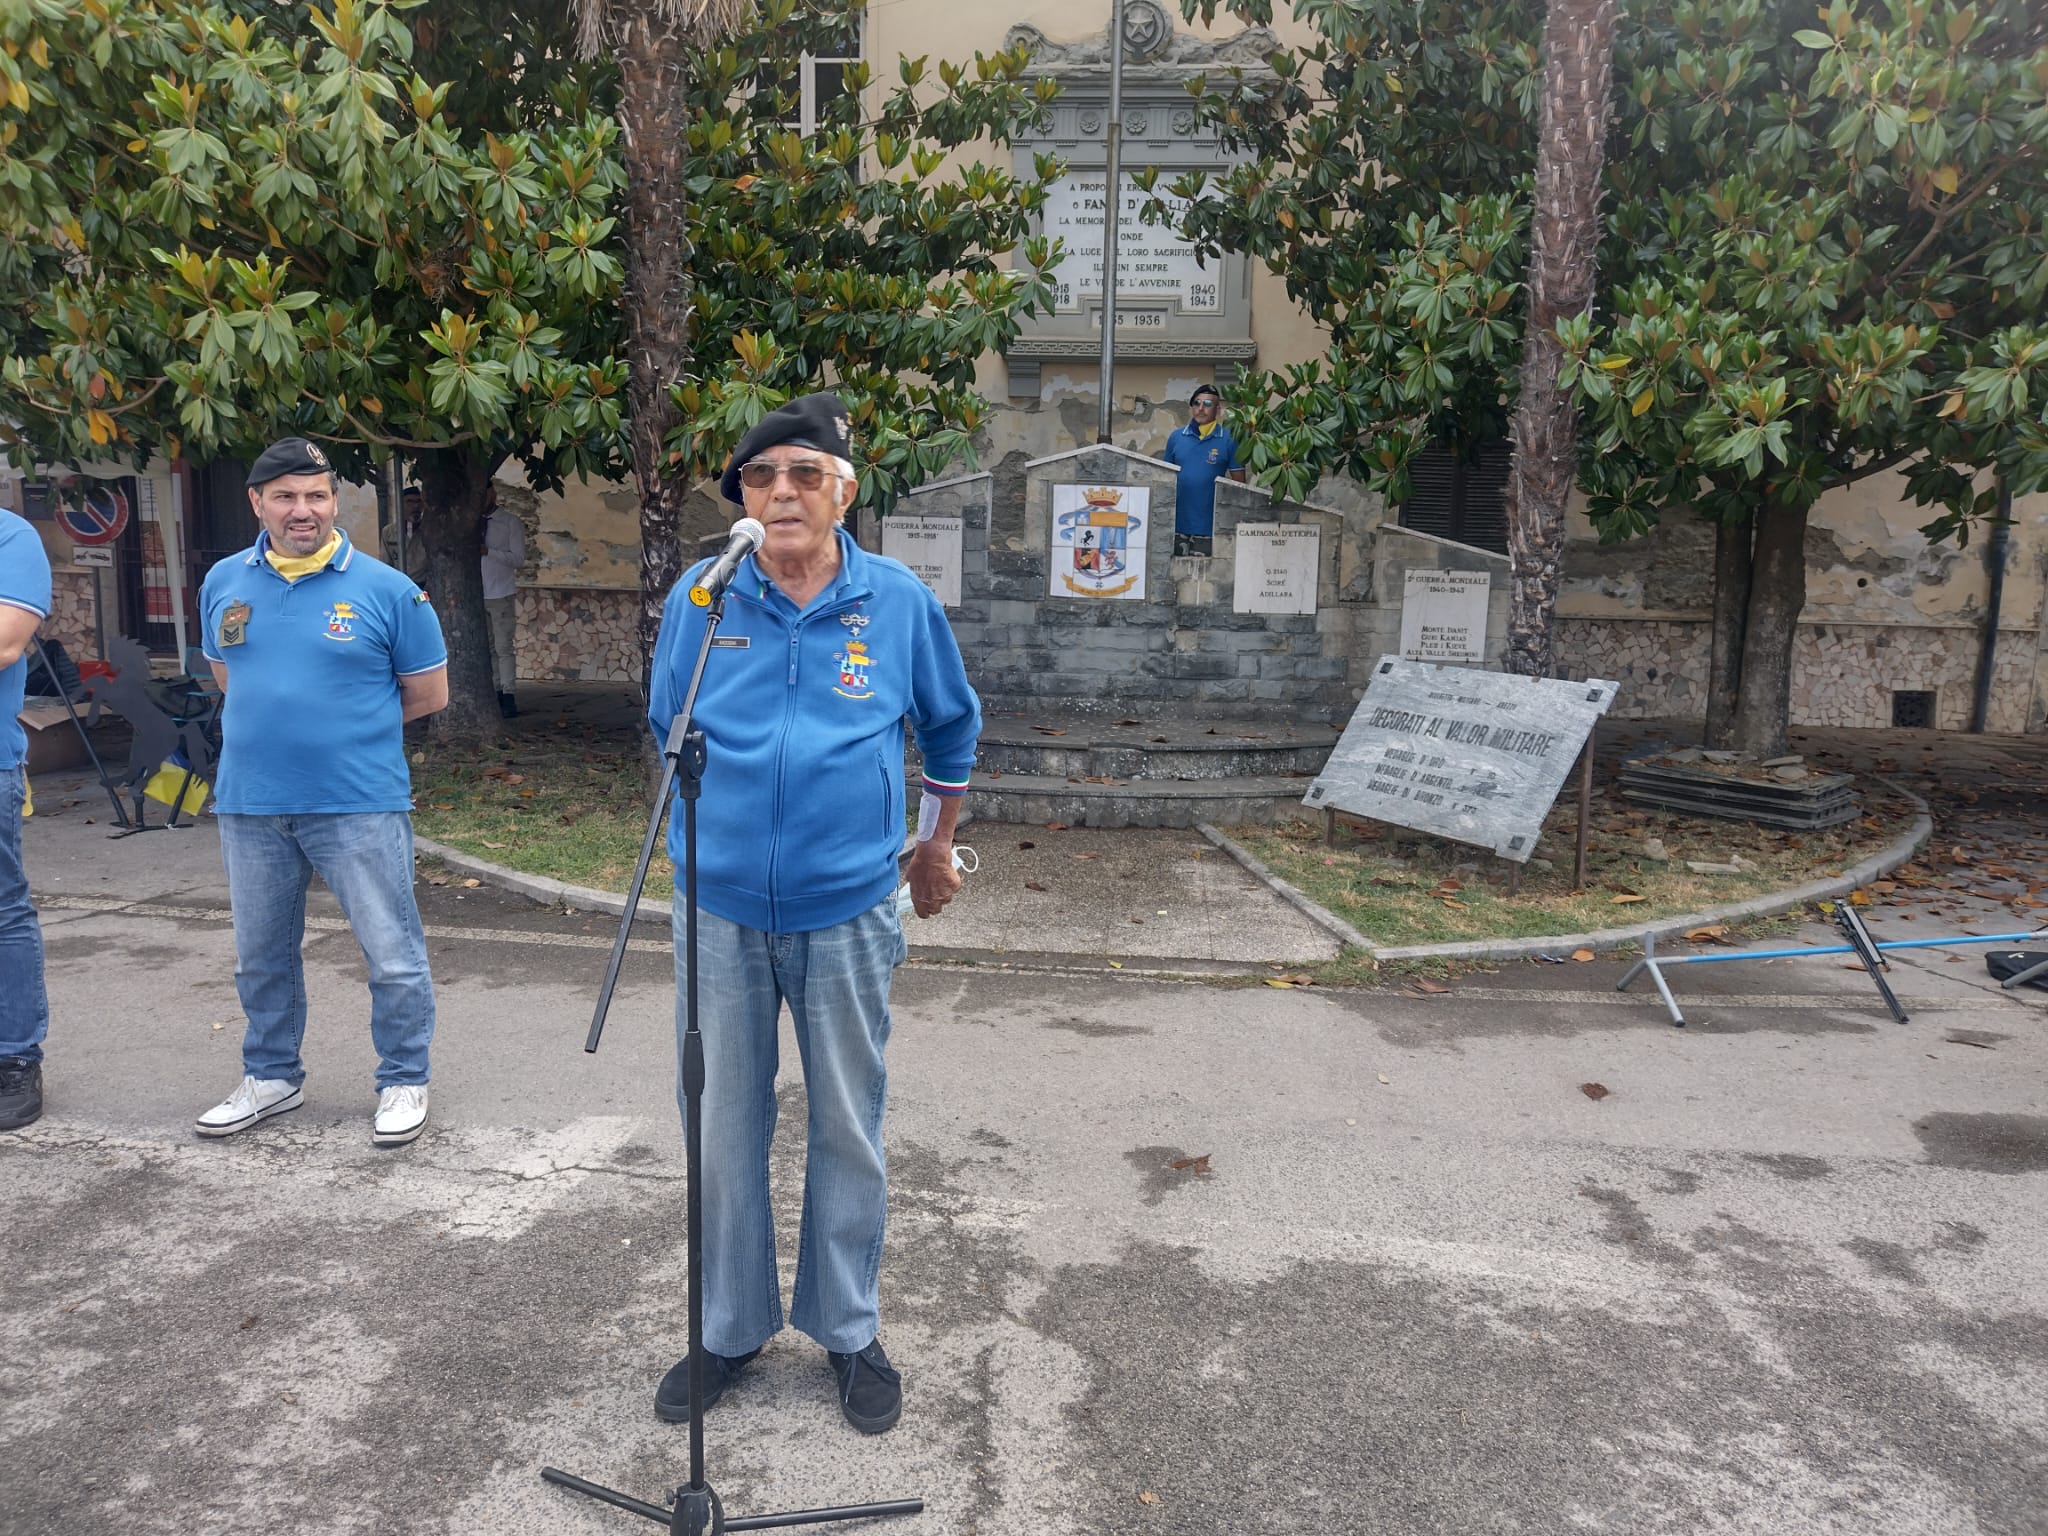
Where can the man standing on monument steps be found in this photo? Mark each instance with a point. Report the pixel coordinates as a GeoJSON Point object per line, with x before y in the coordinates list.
{"type": "Point", "coordinates": [1204, 452]}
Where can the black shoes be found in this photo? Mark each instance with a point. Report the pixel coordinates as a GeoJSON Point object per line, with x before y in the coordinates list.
{"type": "Point", "coordinates": [21, 1092]}
{"type": "Point", "coordinates": [508, 707]}
{"type": "Point", "coordinates": [672, 1397]}
{"type": "Point", "coordinates": [870, 1389]}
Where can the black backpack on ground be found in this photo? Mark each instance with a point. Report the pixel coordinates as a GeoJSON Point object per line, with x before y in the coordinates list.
{"type": "Point", "coordinates": [2010, 962]}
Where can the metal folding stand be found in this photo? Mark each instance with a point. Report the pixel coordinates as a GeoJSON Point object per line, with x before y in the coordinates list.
{"type": "Point", "coordinates": [1860, 944]}
{"type": "Point", "coordinates": [696, 1510]}
{"type": "Point", "coordinates": [71, 709]}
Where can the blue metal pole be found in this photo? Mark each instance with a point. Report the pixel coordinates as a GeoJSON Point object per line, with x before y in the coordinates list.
{"type": "Point", "coordinates": [1845, 949]}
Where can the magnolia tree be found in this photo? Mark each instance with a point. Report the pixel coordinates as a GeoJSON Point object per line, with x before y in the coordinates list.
{"type": "Point", "coordinates": [1823, 258]}
{"type": "Point", "coordinates": [873, 255]}
{"type": "Point", "coordinates": [219, 227]}
{"type": "Point", "coordinates": [221, 223]}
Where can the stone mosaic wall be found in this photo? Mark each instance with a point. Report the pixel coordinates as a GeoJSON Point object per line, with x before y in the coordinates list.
{"type": "Point", "coordinates": [1843, 674]}
{"type": "Point", "coordinates": [578, 634]}
{"type": "Point", "coordinates": [70, 617]}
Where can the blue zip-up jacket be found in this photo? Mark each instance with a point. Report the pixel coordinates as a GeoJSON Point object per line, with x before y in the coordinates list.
{"type": "Point", "coordinates": [801, 820]}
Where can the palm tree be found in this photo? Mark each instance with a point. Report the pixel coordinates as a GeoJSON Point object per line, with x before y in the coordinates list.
{"type": "Point", "coordinates": [651, 41]}
{"type": "Point", "coordinates": [1578, 76]}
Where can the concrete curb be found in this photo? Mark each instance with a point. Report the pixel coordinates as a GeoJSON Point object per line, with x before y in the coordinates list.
{"type": "Point", "coordinates": [1321, 916]}
{"type": "Point", "coordinates": [1880, 863]}
{"type": "Point", "coordinates": [545, 888]}
{"type": "Point", "coordinates": [542, 888]}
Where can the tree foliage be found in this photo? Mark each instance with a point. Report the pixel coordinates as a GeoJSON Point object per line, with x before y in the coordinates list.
{"type": "Point", "coordinates": [869, 256]}
{"type": "Point", "coordinates": [1389, 161]}
{"type": "Point", "coordinates": [1829, 258]}
{"type": "Point", "coordinates": [1824, 252]}
{"type": "Point", "coordinates": [224, 220]}
{"type": "Point", "coordinates": [217, 228]}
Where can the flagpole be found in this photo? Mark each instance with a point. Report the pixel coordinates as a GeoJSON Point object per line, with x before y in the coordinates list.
{"type": "Point", "coordinates": [1112, 206]}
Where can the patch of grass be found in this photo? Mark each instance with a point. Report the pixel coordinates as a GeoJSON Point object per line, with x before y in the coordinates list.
{"type": "Point", "coordinates": [1398, 887]}
{"type": "Point", "coordinates": [563, 805]}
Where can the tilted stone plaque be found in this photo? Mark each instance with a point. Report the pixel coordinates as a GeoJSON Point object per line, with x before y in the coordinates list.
{"type": "Point", "coordinates": [1276, 567]}
{"type": "Point", "coordinates": [930, 546]}
{"type": "Point", "coordinates": [1476, 757]}
{"type": "Point", "coordinates": [1443, 616]}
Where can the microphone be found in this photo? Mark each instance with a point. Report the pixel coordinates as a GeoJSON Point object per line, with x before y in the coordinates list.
{"type": "Point", "coordinates": [747, 535]}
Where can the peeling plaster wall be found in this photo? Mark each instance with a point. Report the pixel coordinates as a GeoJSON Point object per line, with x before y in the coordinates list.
{"type": "Point", "coordinates": [1885, 611]}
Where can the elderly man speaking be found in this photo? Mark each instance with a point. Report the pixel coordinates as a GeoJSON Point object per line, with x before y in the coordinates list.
{"type": "Point", "coordinates": [323, 653]}
{"type": "Point", "coordinates": [823, 651]}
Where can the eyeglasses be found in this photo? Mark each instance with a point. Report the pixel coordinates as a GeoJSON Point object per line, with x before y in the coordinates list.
{"type": "Point", "coordinates": [806, 475]}
{"type": "Point", "coordinates": [1209, 400]}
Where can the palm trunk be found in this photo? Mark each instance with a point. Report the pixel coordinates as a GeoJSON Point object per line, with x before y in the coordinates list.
{"type": "Point", "coordinates": [1732, 562]}
{"type": "Point", "coordinates": [452, 528]}
{"type": "Point", "coordinates": [653, 54]}
{"type": "Point", "coordinates": [1763, 714]}
{"type": "Point", "coordinates": [1578, 74]}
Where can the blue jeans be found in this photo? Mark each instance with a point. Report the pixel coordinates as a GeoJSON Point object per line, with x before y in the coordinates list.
{"type": "Point", "coordinates": [24, 1005]}
{"type": "Point", "coordinates": [366, 859]}
{"type": "Point", "coordinates": [836, 982]}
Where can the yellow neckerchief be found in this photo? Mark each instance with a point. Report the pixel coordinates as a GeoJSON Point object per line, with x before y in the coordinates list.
{"type": "Point", "coordinates": [1204, 431]}
{"type": "Point", "coordinates": [292, 567]}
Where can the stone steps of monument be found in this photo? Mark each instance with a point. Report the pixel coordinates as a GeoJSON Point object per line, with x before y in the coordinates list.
{"type": "Point", "coordinates": [1037, 798]}
{"type": "Point", "coordinates": [1186, 749]}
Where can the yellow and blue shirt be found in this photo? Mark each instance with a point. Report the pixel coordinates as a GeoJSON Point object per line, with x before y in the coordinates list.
{"type": "Point", "coordinates": [313, 721]}
{"type": "Point", "coordinates": [25, 584]}
{"type": "Point", "coordinates": [1202, 458]}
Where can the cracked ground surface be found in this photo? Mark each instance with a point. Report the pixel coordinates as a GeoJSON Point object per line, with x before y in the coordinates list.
{"type": "Point", "coordinates": [1787, 1277]}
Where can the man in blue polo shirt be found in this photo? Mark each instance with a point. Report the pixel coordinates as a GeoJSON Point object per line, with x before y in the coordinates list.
{"type": "Point", "coordinates": [1204, 451]}
{"type": "Point", "coordinates": [24, 1006]}
{"type": "Point", "coordinates": [324, 653]}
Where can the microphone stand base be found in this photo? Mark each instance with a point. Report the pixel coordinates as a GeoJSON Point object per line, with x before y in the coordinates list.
{"type": "Point", "coordinates": [697, 1511]}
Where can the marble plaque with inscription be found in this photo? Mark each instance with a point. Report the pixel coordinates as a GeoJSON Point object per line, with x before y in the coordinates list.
{"type": "Point", "coordinates": [1276, 567]}
{"type": "Point", "coordinates": [1152, 261]}
{"type": "Point", "coordinates": [1443, 616]}
{"type": "Point", "coordinates": [930, 546]}
{"type": "Point", "coordinates": [1476, 757]}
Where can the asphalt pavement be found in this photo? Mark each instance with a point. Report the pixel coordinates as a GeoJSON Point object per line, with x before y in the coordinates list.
{"type": "Point", "coordinates": [1183, 1255]}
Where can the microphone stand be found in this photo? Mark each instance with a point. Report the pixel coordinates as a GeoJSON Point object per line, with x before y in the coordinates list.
{"type": "Point", "coordinates": [696, 1510]}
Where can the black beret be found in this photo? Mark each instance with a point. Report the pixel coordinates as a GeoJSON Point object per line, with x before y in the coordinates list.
{"type": "Point", "coordinates": [809, 421]}
{"type": "Point", "coordinates": [1206, 389]}
{"type": "Point", "coordinates": [288, 456]}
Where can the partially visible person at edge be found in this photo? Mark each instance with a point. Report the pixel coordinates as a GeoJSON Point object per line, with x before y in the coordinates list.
{"type": "Point", "coordinates": [24, 1005]}
{"type": "Point", "coordinates": [323, 652]}
{"type": "Point", "coordinates": [823, 651]}
{"type": "Point", "coordinates": [504, 552]}
{"type": "Point", "coordinates": [1204, 452]}
{"type": "Point", "coordinates": [411, 558]}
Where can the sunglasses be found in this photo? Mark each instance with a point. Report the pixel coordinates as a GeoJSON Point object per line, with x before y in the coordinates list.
{"type": "Point", "coordinates": [1209, 400]}
{"type": "Point", "coordinates": [806, 476]}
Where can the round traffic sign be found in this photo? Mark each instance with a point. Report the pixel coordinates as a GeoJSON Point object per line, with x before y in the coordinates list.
{"type": "Point", "coordinates": [92, 514]}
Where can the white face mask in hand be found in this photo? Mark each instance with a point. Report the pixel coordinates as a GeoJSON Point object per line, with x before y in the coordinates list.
{"type": "Point", "coordinates": [965, 860]}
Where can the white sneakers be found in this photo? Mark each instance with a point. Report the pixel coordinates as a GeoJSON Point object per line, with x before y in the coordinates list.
{"type": "Point", "coordinates": [401, 1115]}
{"type": "Point", "coordinates": [258, 1098]}
{"type": "Point", "coordinates": [401, 1112]}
